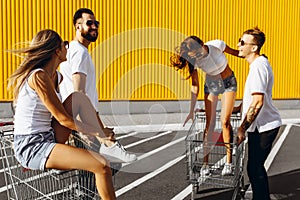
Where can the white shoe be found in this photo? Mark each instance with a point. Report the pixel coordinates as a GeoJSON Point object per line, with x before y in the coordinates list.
{"type": "Point", "coordinates": [234, 151]}
{"type": "Point", "coordinates": [116, 153]}
{"type": "Point", "coordinates": [204, 171]}
{"type": "Point", "coordinates": [227, 170]}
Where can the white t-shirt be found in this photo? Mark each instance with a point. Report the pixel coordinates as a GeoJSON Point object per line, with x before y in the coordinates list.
{"type": "Point", "coordinates": [260, 80]}
{"type": "Point", "coordinates": [215, 62]}
{"type": "Point", "coordinates": [79, 61]}
{"type": "Point", "coordinates": [31, 114]}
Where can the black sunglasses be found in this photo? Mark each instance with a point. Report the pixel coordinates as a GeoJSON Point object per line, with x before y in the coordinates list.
{"type": "Point", "coordinates": [66, 43]}
{"type": "Point", "coordinates": [91, 22]}
{"type": "Point", "coordinates": [244, 43]}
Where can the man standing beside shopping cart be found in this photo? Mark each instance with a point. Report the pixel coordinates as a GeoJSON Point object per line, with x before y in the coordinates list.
{"type": "Point", "coordinates": [79, 75]}
{"type": "Point", "coordinates": [261, 119]}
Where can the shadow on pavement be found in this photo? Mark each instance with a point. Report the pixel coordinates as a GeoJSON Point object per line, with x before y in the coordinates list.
{"type": "Point", "coordinates": [217, 194]}
{"type": "Point", "coordinates": [285, 186]}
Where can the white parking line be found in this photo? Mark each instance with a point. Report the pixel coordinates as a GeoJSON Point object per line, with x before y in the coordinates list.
{"type": "Point", "coordinates": [184, 193]}
{"type": "Point", "coordinates": [148, 176]}
{"type": "Point", "coordinates": [148, 139]}
{"type": "Point", "coordinates": [152, 128]}
{"type": "Point", "coordinates": [145, 155]}
{"type": "Point", "coordinates": [277, 146]}
{"type": "Point", "coordinates": [127, 135]}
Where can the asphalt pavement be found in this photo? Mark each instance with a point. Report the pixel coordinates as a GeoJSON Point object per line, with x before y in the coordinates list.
{"type": "Point", "coordinates": [160, 172]}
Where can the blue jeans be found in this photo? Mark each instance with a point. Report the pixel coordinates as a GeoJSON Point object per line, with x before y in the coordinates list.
{"type": "Point", "coordinates": [259, 147]}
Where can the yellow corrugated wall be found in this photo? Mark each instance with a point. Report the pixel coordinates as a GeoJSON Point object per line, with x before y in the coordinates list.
{"type": "Point", "coordinates": [137, 38]}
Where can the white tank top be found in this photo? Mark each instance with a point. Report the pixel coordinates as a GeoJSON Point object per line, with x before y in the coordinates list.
{"type": "Point", "coordinates": [215, 62]}
{"type": "Point", "coordinates": [31, 115]}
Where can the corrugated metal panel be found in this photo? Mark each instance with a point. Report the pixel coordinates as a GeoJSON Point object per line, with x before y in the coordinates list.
{"type": "Point", "coordinates": [137, 39]}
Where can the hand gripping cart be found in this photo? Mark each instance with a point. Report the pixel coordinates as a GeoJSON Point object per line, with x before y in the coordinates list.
{"type": "Point", "coordinates": [28, 184]}
{"type": "Point", "coordinates": [215, 150]}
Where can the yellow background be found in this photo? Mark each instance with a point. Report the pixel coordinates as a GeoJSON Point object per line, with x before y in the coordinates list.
{"type": "Point", "coordinates": [137, 38]}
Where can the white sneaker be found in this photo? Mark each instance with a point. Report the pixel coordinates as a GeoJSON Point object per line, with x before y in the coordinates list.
{"type": "Point", "coordinates": [204, 171]}
{"type": "Point", "coordinates": [227, 170]}
{"type": "Point", "coordinates": [116, 153]}
{"type": "Point", "coordinates": [234, 151]}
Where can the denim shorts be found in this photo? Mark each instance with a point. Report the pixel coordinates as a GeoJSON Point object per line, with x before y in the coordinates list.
{"type": "Point", "coordinates": [32, 151]}
{"type": "Point", "coordinates": [218, 85]}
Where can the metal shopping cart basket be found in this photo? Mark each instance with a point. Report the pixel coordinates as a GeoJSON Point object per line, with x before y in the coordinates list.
{"type": "Point", "coordinates": [35, 184]}
{"type": "Point", "coordinates": [215, 148]}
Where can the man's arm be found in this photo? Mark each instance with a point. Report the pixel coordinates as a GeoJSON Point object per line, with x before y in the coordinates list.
{"type": "Point", "coordinates": [79, 82]}
{"type": "Point", "coordinates": [253, 111]}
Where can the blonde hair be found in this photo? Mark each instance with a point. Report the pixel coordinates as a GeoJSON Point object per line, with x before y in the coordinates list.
{"type": "Point", "coordinates": [37, 55]}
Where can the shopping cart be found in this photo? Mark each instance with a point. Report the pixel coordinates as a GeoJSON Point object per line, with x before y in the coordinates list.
{"type": "Point", "coordinates": [196, 148]}
{"type": "Point", "coordinates": [35, 184]}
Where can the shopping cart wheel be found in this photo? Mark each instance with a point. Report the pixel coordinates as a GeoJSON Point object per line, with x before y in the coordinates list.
{"type": "Point", "coordinates": [195, 188]}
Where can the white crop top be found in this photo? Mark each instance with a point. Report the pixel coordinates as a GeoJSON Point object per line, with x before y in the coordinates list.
{"type": "Point", "coordinates": [31, 115]}
{"type": "Point", "coordinates": [215, 62]}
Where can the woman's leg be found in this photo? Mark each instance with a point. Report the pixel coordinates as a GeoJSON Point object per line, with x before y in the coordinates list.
{"type": "Point", "coordinates": [210, 102]}
{"type": "Point", "coordinates": [66, 157]}
{"type": "Point", "coordinates": [228, 100]}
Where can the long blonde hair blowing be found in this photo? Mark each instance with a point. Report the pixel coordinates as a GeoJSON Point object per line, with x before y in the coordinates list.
{"type": "Point", "coordinates": [37, 55]}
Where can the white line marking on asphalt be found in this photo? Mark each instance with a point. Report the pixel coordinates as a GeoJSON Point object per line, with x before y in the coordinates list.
{"type": "Point", "coordinates": [127, 135]}
{"type": "Point", "coordinates": [184, 193]}
{"type": "Point", "coordinates": [145, 155]}
{"type": "Point", "coordinates": [277, 146]}
{"type": "Point", "coordinates": [151, 128]}
{"type": "Point", "coordinates": [147, 139]}
{"type": "Point", "coordinates": [291, 121]}
{"type": "Point", "coordinates": [148, 176]}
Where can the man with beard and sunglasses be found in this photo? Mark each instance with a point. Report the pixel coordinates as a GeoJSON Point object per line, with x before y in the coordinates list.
{"type": "Point", "coordinates": [79, 75]}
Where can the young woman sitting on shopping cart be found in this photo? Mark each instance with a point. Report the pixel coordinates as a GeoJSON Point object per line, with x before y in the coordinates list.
{"type": "Point", "coordinates": [43, 123]}
{"type": "Point", "coordinates": [220, 79]}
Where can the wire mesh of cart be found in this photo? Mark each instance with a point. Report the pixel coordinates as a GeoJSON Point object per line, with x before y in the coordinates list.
{"type": "Point", "coordinates": [215, 150]}
{"type": "Point", "coordinates": [35, 184]}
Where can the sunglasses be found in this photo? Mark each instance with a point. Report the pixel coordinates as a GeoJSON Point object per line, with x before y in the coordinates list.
{"type": "Point", "coordinates": [66, 43]}
{"type": "Point", "coordinates": [243, 43]}
{"type": "Point", "coordinates": [91, 22]}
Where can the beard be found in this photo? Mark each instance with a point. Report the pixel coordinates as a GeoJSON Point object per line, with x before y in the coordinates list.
{"type": "Point", "coordinates": [90, 37]}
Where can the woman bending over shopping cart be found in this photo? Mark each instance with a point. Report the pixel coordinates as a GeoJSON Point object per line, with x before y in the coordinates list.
{"type": "Point", "coordinates": [220, 79]}
{"type": "Point", "coordinates": [43, 123]}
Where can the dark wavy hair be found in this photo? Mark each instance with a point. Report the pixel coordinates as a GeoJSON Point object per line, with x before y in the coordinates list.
{"type": "Point", "coordinates": [79, 12]}
{"type": "Point", "coordinates": [181, 59]}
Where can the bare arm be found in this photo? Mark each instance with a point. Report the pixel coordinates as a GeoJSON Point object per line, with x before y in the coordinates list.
{"type": "Point", "coordinates": [253, 111]}
{"type": "Point", "coordinates": [79, 82]}
{"type": "Point", "coordinates": [194, 95]}
{"type": "Point", "coordinates": [231, 51]}
{"type": "Point", "coordinates": [44, 86]}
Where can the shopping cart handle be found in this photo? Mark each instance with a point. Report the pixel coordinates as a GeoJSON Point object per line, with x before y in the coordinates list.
{"type": "Point", "coordinates": [6, 123]}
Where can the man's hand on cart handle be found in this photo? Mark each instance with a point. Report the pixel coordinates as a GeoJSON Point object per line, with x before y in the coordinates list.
{"type": "Point", "coordinates": [240, 135]}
